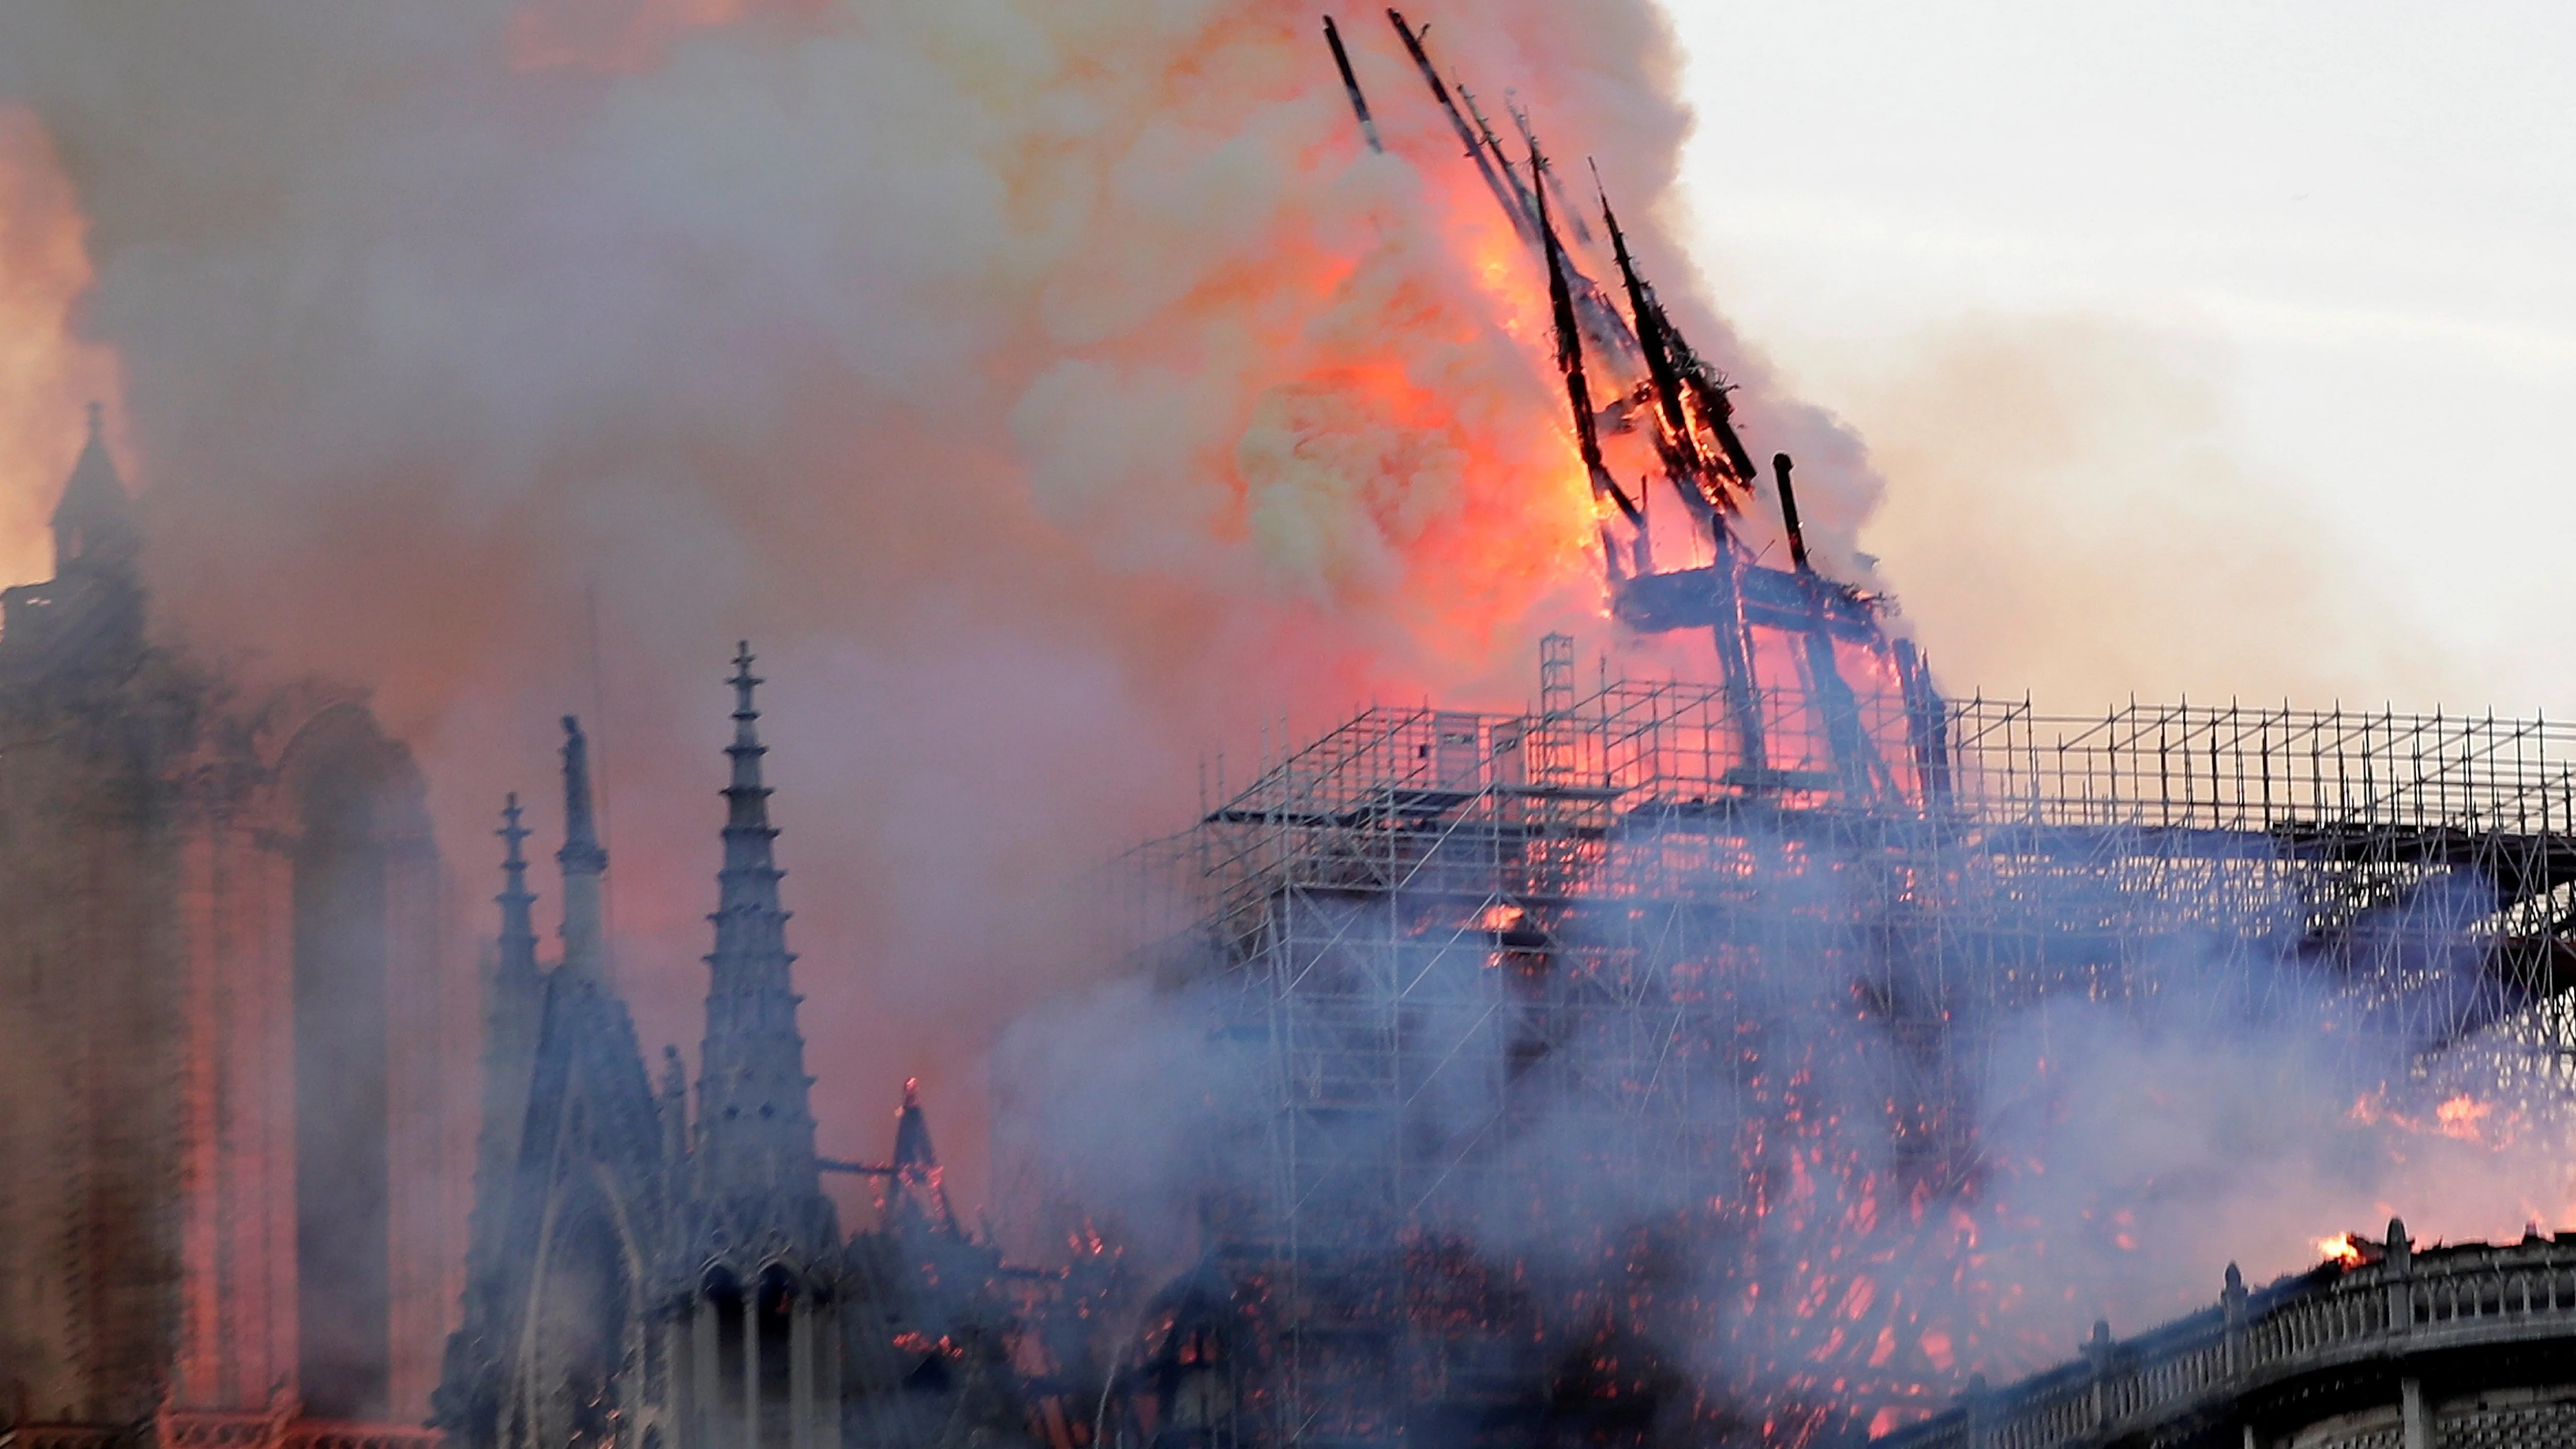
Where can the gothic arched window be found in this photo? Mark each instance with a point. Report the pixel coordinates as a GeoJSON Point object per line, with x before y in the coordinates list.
{"type": "Point", "coordinates": [579, 1333]}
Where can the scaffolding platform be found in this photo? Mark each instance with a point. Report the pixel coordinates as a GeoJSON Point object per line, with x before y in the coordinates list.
{"type": "Point", "coordinates": [1580, 979]}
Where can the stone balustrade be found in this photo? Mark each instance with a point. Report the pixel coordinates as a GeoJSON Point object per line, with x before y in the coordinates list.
{"type": "Point", "coordinates": [2324, 1341]}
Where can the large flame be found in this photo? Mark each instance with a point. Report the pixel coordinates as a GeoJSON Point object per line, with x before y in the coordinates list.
{"type": "Point", "coordinates": [46, 369]}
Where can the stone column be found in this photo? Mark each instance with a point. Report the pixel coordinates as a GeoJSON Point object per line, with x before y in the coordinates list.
{"type": "Point", "coordinates": [2419, 1418]}
{"type": "Point", "coordinates": [800, 1373]}
{"type": "Point", "coordinates": [827, 1345]}
{"type": "Point", "coordinates": [2097, 1352]}
{"type": "Point", "coordinates": [207, 1369]}
{"type": "Point", "coordinates": [2400, 1271]}
{"type": "Point", "coordinates": [680, 1387]}
{"type": "Point", "coordinates": [424, 1254]}
{"type": "Point", "coordinates": [706, 1394]}
{"type": "Point", "coordinates": [2231, 1302]}
{"type": "Point", "coordinates": [751, 1365]}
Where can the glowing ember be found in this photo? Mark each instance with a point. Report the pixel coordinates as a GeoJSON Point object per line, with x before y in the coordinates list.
{"type": "Point", "coordinates": [2461, 1115]}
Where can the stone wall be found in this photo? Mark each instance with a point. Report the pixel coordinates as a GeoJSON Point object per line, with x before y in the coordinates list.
{"type": "Point", "coordinates": [151, 825]}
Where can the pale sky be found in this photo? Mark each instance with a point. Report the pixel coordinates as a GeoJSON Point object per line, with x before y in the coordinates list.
{"type": "Point", "coordinates": [2343, 237]}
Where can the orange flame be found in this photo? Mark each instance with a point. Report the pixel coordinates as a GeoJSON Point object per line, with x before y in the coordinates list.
{"type": "Point", "coordinates": [2460, 1116]}
{"type": "Point", "coordinates": [46, 370]}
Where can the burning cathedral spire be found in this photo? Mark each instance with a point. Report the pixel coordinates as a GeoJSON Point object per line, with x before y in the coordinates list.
{"type": "Point", "coordinates": [1821, 699]}
{"type": "Point", "coordinates": [1625, 1069]}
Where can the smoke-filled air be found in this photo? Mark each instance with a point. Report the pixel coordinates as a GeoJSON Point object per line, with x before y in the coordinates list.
{"type": "Point", "coordinates": [1055, 393]}
{"type": "Point", "coordinates": [1077, 411]}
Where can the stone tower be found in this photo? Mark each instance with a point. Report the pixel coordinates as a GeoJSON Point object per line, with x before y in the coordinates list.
{"type": "Point", "coordinates": [558, 1348]}
{"type": "Point", "coordinates": [230, 1176]}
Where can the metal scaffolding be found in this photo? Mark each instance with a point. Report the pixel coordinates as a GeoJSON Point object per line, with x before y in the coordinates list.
{"type": "Point", "coordinates": [1578, 977]}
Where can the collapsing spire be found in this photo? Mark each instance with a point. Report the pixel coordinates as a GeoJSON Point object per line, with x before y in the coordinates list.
{"type": "Point", "coordinates": [1351, 84]}
{"type": "Point", "coordinates": [583, 863]}
{"type": "Point", "coordinates": [756, 1122]}
{"type": "Point", "coordinates": [1569, 362]}
{"type": "Point", "coordinates": [916, 1194]}
{"type": "Point", "coordinates": [1672, 372]}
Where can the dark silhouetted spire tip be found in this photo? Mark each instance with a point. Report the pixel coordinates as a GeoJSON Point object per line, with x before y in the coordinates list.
{"type": "Point", "coordinates": [512, 831]}
{"type": "Point", "coordinates": [584, 862]}
{"type": "Point", "coordinates": [518, 927]}
{"type": "Point", "coordinates": [581, 851]}
{"type": "Point", "coordinates": [94, 521]}
{"type": "Point", "coordinates": [744, 681]}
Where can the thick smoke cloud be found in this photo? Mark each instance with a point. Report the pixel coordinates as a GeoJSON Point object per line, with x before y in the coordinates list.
{"type": "Point", "coordinates": [2109, 1151]}
{"type": "Point", "coordinates": [1052, 391]}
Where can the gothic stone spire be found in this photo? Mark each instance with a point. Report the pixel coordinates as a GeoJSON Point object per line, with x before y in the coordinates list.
{"type": "Point", "coordinates": [518, 925]}
{"type": "Point", "coordinates": [755, 1118]}
{"type": "Point", "coordinates": [583, 863]}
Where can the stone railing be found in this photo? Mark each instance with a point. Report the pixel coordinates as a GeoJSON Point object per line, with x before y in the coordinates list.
{"type": "Point", "coordinates": [2395, 1302]}
{"type": "Point", "coordinates": [60, 1436]}
{"type": "Point", "coordinates": [218, 1429]}
{"type": "Point", "coordinates": [324, 1434]}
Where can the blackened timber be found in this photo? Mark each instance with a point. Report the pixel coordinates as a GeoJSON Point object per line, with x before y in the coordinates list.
{"type": "Point", "coordinates": [1770, 599]}
{"type": "Point", "coordinates": [1681, 441]}
{"type": "Point", "coordinates": [1351, 84]}
{"type": "Point", "coordinates": [1679, 376]}
{"type": "Point", "coordinates": [1609, 330]}
{"type": "Point", "coordinates": [1854, 753]}
{"type": "Point", "coordinates": [1467, 136]}
{"type": "Point", "coordinates": [1525, 205]}
{"type": "Point", "coordinates": [1708, 391]}
{"type": "Point", "coordinates": [1702, 486]}
{"type": "Point", "coordinates": [1569, 361]}
{"type": "Point", "coordinates": [1731, 628]}
{"type": "Point", "coordinates": [1780, 467]}
{"type": "Point", "coordinates": [1926, 724]}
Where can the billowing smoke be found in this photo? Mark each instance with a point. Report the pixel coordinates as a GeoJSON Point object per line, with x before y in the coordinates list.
{"type": "Point", "coordinates": [1052, 392]}
{"type": "Point", "coordinates": [1721, 1155]}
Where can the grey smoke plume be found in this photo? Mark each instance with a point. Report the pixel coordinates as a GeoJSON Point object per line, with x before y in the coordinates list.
{"type": "Point", "coordinates": [1050, 391]}
{"type": "Point", "coordinates": [1722, 1159]}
